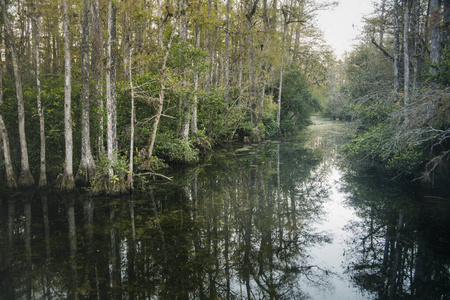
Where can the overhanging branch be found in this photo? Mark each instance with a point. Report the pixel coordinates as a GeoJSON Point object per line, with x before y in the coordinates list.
{"type": "Point", "coordinates": [382, 50]}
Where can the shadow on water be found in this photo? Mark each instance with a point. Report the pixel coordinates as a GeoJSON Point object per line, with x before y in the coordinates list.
{"type": "Point", "coordinates": [241, 226]}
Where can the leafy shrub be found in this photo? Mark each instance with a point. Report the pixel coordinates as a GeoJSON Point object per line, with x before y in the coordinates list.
{"type": "Point", "coordinates": [115, 185]}
{"type": "Point", "coordinates": [172, 148]}
{"type": "Point", "coordinates": [297, 102]}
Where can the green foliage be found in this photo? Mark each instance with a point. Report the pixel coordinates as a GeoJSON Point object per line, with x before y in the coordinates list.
{"type": "Point", "coordinates": [338, 107]}
{"type": "Point", "coordinates": [297, 101]}
{"type": "Point", "coordinates": [52, 99]}
{"type": "Point", "coordinates": [442, 75]}
{"type": "Point", "coordinates": [409, 136]}
{"type": "Point", "coordinates": [111, 186]}
{"type": "Point", "coordinates": [170, 147]}
{"type": "Point", "coordinates": [216, 119]}
{"type": "Point", "coordinates": [202, 141]}
{"type": "Point", "coordinates": [401, 137]}
{"type": "Point", "coordinates": [269, 123]}
{"type": "Point", "coordinates": [366, 96]}
{"type": "Point", "coordinates": [103, 164]}
{"type": "Point", "coordinates": [381, 144]}
{"type": "Point", "coordinates": [186, 57]}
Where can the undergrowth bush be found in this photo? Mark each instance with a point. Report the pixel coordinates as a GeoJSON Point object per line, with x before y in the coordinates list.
{"type": "Point", "coordinates": [171, 148]}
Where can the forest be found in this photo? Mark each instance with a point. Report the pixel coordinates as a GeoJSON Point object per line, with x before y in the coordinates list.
{"type": "Point", "coordinates": [394, 85]}
{"type": "Point", "coordinates": [95, 93]}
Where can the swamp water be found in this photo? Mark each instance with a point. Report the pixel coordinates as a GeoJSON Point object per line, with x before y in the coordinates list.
{"type": "Point", "coordinates": [269, 221]}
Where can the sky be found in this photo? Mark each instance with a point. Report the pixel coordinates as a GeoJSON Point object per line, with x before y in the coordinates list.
{"type": "Point", "coordinates": [344, 23]}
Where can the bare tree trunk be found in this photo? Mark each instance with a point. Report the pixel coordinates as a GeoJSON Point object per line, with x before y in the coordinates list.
{"type": "Point", "coordinates": [111, 143]}
{"type": "Point", "coordinates": [68, 182]}
{"type": "Point", "coordinates": [126, 41]}
{"type": "Point", "coordinates": [10, 176]}
{"type": "Point", "coordinates": [396, 47]}
{"type": "Point", "coordinates": [435, 39]}
{"type": "Point", "coordinates": [264, 66]}
{"type": "Point", "coordinates": [87, 169]}
{"type": "Point", "coordinates": [25, 178]}
{"type": "Point", "coordinates": [241, 67]}
{"type": "Point", "coordinates": [185, 101]}
{"type": "Point", "coordinates": [209, 49]}
{"type": "Point", "coordinates": [227, 53]}
{"type": "Point", "coordinates": [250, 11]}
{"type": "Point", "coordinates": [280, 89]}
{"type": "Point", "coordinates": [415, 8]}
{"type": "Point", "coordinates": [55, 60]}
{"type": "Point", "coordinates": [406, 79]}
{"type": "Point", "coordinates": [40, 111]}
{"type": "Point", "coordinates": [194, 105]}
{"type": "Point", "coordinates": [130, 169]}
{"type": "Point", "coordinates": [216, 64]}
{"type": "Point", "coordinates": [289, 37]}
{"type": "Point", "coordinates": [97, 68]}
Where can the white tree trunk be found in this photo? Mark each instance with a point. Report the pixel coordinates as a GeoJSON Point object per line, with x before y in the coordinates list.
{"type": "Point", "coordinates": [86, 170]}
{"type": "Point", "coordinates": [97, 69]}
{"type": "Point", "coordinates": [68, 181]}
{"type": "Point", "coordinates": [241, 67]}
{"type": "Point", "coordinates": [25, 178]}
{"type": "Point", "coordinates": [280, 89]}
{"type": "Point", "coordinates": [126, 36]}
{"type": "Point", "coordinates": [227, 53]}
{"type": "Point", "coordinates": [396, 47]}
{"type": "Point", "coordinates": [40, 111]}
{"type": "Point", "coordinates": [209, 49]}
{"type": "Point", "coordinates": [111, 94]}
{"type": "Point", "coordinates": [435, 39]}
{"type": "Point", "coordinates": [250, 11]}
{"type": "Point", "coordinates": [185, 100]}
{"type": "Point", "coordinates": [406, 79]}
{"type": "Point", "coordinates": [10, 176]}
{"type": "Point", "coordinates": [194, 105]}
{"type": "Point", "coordinates": [415, 31]}
{"type": "Point", "coordinates": [131, 161]}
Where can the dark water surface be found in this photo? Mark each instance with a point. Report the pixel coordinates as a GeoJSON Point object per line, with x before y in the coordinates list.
{"type": "Point", "coordinates": [269, 221]}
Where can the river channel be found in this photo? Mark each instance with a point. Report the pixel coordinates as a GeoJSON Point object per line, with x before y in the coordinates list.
{"type": "Point", "coordinates": [277, 220]}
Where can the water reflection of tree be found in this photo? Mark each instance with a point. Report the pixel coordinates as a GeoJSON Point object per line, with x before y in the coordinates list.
{"type": "Point", "coordinates": [265, 223]}
{"type": "Point", "coordinates": [238, 226]}
{"type": "Point", "coordinates": [7, 221]}
{"type": "Point", "coordinates": [393, 256]}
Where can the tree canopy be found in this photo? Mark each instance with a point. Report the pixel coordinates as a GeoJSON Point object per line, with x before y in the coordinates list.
{"type": "Point", "coordinates": [202, 72]}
